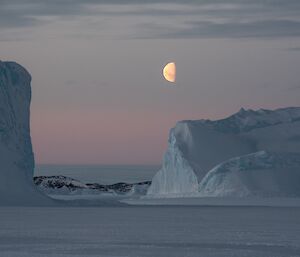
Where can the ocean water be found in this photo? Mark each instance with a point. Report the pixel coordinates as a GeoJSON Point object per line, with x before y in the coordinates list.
{"type": "Point", "coordinates": [105, 174]}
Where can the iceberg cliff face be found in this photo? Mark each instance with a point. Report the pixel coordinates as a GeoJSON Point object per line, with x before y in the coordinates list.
{"type": "Point", "coordinates": [16, 155]}
{"type": "Point", "coordinates": [196, 147]}
{"type": "Point", "coordinates": [182, 179]}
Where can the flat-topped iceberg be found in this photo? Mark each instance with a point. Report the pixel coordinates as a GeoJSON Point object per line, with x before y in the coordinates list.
{"type": "Point", "coordinates": [196, 148]}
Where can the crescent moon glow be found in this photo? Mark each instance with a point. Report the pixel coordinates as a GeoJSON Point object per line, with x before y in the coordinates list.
{"type": "Point", "coordinates": [169, 72]}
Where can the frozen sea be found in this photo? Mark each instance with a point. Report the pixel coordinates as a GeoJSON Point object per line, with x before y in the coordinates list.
{"type": "Point", "coordinates": [152, 231]}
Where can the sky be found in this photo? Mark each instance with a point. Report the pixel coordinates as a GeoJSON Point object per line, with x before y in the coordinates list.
{"type": "Point", "coordinates": [98, 95]}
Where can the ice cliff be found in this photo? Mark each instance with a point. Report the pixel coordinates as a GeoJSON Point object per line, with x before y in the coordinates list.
{"type": "Point", "coordinates": [16, 155]}
{"type": "Point", "coordinates": [191, 164]}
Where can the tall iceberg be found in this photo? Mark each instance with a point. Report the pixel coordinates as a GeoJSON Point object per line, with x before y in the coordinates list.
{"type": "Point", "coordinates": [16, 155]}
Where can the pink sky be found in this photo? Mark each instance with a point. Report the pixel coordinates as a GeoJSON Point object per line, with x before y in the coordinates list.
{"type": "Point", "coordinates": [101, 137]}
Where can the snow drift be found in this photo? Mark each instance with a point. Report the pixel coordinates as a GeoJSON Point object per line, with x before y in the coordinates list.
{"type": "Point", "coordinates": [196, 147]}
{"type": "Point", "coordinates": [16, 155]}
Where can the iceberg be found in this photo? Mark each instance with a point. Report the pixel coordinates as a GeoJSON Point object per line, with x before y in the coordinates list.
{"type": "Point", "coordinates": [16, 155]}
{"type": "Point", "coordinates": [196, 147]}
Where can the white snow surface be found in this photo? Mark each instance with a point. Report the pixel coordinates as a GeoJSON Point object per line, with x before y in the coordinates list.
{"type": "Point", "coordinates": [16, 155]}
{"type": "Point", "coordinates": [196, 147]}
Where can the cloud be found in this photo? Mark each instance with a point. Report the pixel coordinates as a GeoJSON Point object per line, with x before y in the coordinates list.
{"type": "Point", "coordinates": [164, 18]}
{"type": "Point", "coordinates": [296, 49]}
{"type": "Point", "coordinates": [9, 19]}
{"type": "Point", "coordinates": [294, 88]}
{"type": "Point", "coordinates": [238, 29]}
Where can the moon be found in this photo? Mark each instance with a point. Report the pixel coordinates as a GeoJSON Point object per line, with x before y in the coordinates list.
{"type": "Point", "coordinates": [169, 72]}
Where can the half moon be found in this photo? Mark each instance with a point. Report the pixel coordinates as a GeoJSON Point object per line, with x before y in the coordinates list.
{"type": "Point", "coordinates": [169, 72]}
